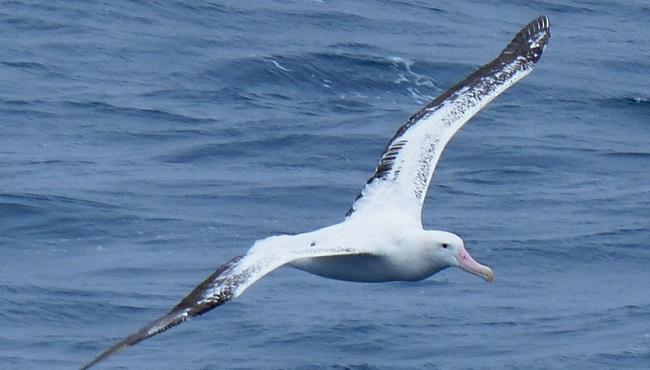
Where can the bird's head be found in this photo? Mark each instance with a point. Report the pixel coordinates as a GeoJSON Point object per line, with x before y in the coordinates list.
{"type": "Point", "coordinates": [449, 250]}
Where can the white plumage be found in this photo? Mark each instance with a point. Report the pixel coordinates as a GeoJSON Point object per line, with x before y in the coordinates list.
{"type": "Point", "coordinates": [381, 238]}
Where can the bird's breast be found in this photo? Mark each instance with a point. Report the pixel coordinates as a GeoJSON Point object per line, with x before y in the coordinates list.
{"type": "Point", "coordinates": [361, 268]}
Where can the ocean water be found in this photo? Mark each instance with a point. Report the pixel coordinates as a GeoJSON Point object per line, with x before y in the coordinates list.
{"type": "Point", "coordinates": [143, 144]}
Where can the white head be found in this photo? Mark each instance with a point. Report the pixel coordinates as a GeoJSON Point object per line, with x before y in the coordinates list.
{"type": "Point", "coordinates": [448, 249]}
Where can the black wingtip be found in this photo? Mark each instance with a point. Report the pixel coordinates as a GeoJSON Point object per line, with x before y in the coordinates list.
{"type": "Point", "coordinates": [111, 351]}
{"type": "Point", "coordinates": [173, 318]}
{"type": "Point", "coordinates": [530, 41]}
{"type": "Point", "coordinates": [194, 304]}
{"type": "Point", "coordinates": [116, 348]}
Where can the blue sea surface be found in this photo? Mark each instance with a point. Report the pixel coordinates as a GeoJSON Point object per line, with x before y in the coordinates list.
{"type": "Point", "coordinates": [143, 144]}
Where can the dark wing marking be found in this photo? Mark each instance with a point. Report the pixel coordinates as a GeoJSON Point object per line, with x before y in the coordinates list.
{"type": "Point", "coordinates": [228, 282]}
{"type": "Point", "coordinates": [194, 304]}
{"type": "Point", "coordinates": [406, 166]}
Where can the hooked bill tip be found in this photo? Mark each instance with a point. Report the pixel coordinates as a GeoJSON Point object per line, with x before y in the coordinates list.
{"type": "Point", "coordinates": [489, 275]}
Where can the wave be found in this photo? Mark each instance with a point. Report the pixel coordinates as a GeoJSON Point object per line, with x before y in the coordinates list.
{"type": "Point", "coordinates": [343, 70]}
{"type": "Point", "coordinates": [260, 148]}
{"type": "Point", "coordinates": [640, 102]}
{"type": "Point", "coordinates": [155, 114]}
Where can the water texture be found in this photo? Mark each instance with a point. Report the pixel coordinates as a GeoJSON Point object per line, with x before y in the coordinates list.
{"type": "Point", "coordinates": [142, 144]}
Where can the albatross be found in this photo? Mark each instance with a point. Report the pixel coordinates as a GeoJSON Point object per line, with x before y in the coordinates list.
{"type": "Point", "coordinates": [381, 238]}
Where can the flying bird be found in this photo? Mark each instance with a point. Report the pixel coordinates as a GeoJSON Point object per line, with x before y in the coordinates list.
{"type": "Point", "coordinates": [381, 238]}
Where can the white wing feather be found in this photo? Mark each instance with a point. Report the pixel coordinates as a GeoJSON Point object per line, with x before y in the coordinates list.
{"type": "Point", "coordinates": [407, 165]}
{"type": "Point", "coordinates": [402, 177]}
{"type": "Point", "coordinates": [231, 280]}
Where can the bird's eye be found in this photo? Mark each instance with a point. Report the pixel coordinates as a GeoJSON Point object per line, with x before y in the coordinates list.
{"type": "Point", "coordinates": [445, 245]}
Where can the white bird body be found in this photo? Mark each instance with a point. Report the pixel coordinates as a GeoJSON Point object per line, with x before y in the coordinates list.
{"type": "Point", "coordinates": [381, 238]}
{"type": "Point", "coordinates": [398, 251]}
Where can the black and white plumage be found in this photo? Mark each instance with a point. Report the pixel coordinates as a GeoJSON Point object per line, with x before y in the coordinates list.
{"type": "Point", "coordinates": [381, 238]}
{"type": "Point", "coordinates": [406, 167]}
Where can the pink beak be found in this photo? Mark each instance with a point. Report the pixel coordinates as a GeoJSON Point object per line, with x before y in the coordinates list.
{"type": "Point", "coordinates": [467, 263]}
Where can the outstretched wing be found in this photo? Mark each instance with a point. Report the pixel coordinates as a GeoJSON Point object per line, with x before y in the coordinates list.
{"type": "Point", "coordinates": [228, 282]}
{"type": "Point", "coordinates": [406, 166]}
